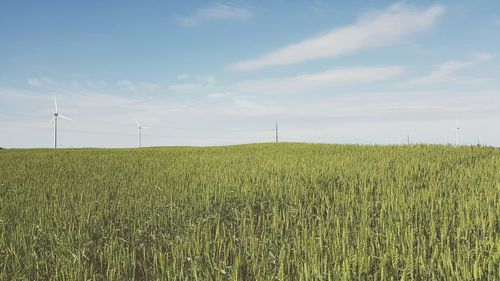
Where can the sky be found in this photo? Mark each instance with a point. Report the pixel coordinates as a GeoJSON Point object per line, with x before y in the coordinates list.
{"type": "Point", "coordinates": [225, 72]}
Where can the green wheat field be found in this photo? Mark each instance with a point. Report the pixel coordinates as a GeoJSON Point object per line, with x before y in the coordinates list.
{"type": "Point", "coordinates": [284, 211]}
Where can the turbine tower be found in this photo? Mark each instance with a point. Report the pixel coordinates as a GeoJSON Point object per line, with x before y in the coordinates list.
{"type": "Point", "coordinates": [54, 119]}
{"type": "Point", "coordinates": [140, 127]}
{"type": "Point", "coordinates": [276, 129]}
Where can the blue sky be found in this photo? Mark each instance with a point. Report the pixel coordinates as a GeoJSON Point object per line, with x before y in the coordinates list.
{"type": "Point", "coordinates": [212, 73]}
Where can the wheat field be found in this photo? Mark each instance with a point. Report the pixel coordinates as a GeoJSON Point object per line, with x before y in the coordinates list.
{"type": "Point", "coordinates": [284, 211]}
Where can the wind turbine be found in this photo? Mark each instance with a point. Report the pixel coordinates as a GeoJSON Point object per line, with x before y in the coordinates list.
{"type": "Point", "coordinates": [457, 133]}
{"type": "Point", "coordinates": [140, 131]}
{"type": "Point", "coordinates": [54, 119]}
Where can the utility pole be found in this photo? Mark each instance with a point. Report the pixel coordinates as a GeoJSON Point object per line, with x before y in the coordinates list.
{"type": "Point", "coordinates": [276, 131]}
{"type": "Point", "coordinates": [457, 134]}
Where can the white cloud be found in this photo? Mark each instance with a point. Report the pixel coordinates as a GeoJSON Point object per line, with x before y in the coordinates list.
{"type": "Point", "coordinates": [371, 30]}
{"type": "Point", "coordinates": [137, 87]}
{"type": "Point", "coordinates": [40, 81]}
{"type": "Point", "coordinates": [310, 82]}
{"type": "Point", "coordinates": [216, 12]}
{"type": "Point", "coordinates": [447, 71]}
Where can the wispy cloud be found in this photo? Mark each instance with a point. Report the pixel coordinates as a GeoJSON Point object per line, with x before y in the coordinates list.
{"type": "Point", "coordinates": [219, 95]}
{"type": "Point", "coordinates": [447, 71]}
{"type": "Point", "coordinates": [40, 81]}
{"type": "Point", "coordinates": [149, 86]}
{"type": "Point", "coordinates": [313, 81]}
{"type": "Point", "coordinates": [192, 83]}
{"type": "Point", "coordinates": [183, 76]}
{"type": "Point", "coordinates": [137, 87]}
{"type": "Point", "coordinates": [216, 12]}
{"type": "Point", "coordinates": [371, 30]}
{"type": "Point", "coordinates": [321, 7]}
{"type": "Point", "coordinates": [184, 87]}
{"type": "Point", "coordinates": [96, 85]}
{"type": "Point", "coordinates": [129, 85]}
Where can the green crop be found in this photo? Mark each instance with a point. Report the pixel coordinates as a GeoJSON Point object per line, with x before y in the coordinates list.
{"type": "Point", "coordinates": [252, 212]}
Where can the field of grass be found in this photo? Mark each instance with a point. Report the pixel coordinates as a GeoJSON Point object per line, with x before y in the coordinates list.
{"type": "Point", "coordinates": [252, 212]}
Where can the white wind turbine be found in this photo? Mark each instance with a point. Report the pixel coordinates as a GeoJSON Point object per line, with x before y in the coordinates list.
{"type": "Point", "coordinates": [54, 119]}
{"type": "Point", "coordinates": [140, 127]}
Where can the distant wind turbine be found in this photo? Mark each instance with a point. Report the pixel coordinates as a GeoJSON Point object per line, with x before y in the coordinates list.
{"type": "Point", "coordinates": [140, 127]}
{"type": "Point", "coordinates": [54, 119]}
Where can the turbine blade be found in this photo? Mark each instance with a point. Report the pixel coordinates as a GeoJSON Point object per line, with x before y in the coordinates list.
{"type": "Point", "coordinates": [55, 100]}
{"type": "Point", "coordinates": [146, 127]}
{"type": "Point", "coordinates": [137, 122]}
{"type": "Point", "coordinates": [51, 121]}
{"type": "Point", "coordinates": [64, 117]}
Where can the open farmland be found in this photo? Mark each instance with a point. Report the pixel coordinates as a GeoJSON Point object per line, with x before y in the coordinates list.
{"type": "Point", "coordinates": [253, 212]}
